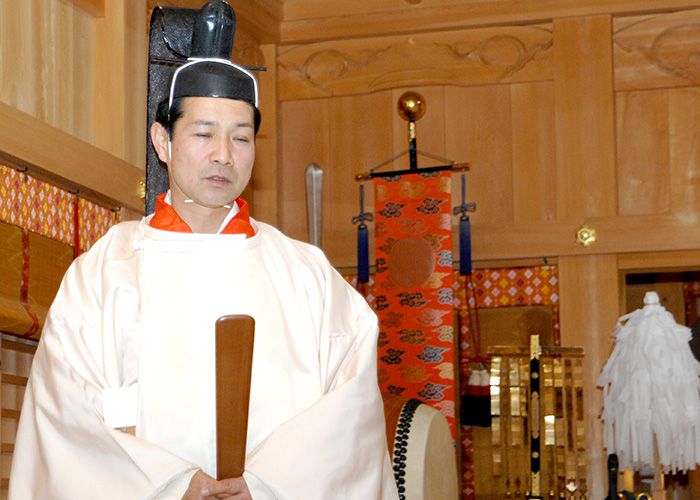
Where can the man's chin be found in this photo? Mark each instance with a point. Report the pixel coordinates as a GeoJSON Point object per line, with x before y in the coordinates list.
{"type": "Point", "coordinates": [218, 204]}
{"type": "Point", "coordinates": [212, 200]}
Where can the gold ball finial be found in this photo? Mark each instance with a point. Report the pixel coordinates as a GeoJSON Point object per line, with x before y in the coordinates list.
{"type": "Point", "coordinates": [411, 106]}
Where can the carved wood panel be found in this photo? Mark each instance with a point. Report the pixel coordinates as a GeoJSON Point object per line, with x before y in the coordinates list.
{"type": "Point", "coordinates": [657, 51]}
{"type": "Point", "coordinates": [246, 50]}
{"type": "Point", "coordinates": [466, 57]}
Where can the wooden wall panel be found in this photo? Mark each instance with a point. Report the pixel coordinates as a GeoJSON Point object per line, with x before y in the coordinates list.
{"type": "Point", "coordinates": [357, 143]}
{"type": "Point", "coordinates": [534, 166]}
{"type": "Point", "coordinates": [658, 159]}
{"type": "Point", "coordinates": [48, 62]}
{"type": "Point", "coordinates": [657, 51]}
{"type": "Point", "coordinates": [479, 123]}
{"type": "Point", "coordinates": [643, 173]}
{"type": "Point", "coordinates": [305, 138]}
{"type": "Point", "coordinates": [684, 154]}
{"type": "Point", "coordinates": [584, 116]}
{"type": "Point", "coordinates": [467, 57]}
{"type": "Point", "coordinates": [120, 104]}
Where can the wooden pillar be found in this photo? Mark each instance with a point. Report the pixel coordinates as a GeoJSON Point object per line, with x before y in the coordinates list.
{"type": "Point", "coordinates": [121, 79]}
{"type": "Point", "coordinates": [265, 173]}
{"type": "Point", "coordinates": [589, 289]}
{"type": "Point", "coordinates": [586, 186]}
{"type": "Point", "coordinates": [584, 117]}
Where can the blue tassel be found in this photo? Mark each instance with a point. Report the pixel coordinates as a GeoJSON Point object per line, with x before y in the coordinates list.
{"type": "Point", "coordinates": [465, 246]}
{"type": "Point", "coordinates": [362, 254]}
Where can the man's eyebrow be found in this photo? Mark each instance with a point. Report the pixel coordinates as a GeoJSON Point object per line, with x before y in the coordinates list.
{"type": "Point", "coordinates": [211, 123]}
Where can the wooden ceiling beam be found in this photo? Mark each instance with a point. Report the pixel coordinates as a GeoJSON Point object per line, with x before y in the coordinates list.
{"type": "Point", "coordinates": [258, 20]}
{"type": "Point", "coordinates": [616, 234]}
{"type": "Point", "coordinates": [478, 13]}
{"type": "Point", "coordinates": [52, 154]}
{"type": "Point", "coordinates": [95, 8]}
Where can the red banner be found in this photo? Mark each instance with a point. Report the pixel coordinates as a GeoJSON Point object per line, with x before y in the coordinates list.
{"type": "Point", "coordinates": [414, 293]}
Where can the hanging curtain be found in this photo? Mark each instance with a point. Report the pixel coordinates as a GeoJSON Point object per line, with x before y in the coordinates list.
{"type": "Point", "coordinates": [42, 228]}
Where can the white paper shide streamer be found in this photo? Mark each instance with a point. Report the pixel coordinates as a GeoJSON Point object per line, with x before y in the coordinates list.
{"type": "Point", "coordinates": [651, 389]}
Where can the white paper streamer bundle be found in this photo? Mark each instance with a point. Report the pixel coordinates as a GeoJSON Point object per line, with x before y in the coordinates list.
{"type": "Point", "coordinates": [651, 389]}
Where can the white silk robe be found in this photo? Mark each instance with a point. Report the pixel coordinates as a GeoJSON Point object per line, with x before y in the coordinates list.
{"type": "Point", "coordinates": [129, 341]}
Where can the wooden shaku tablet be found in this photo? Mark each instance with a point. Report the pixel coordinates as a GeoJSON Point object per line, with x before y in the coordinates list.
{"type": "Point", "coordinates": [234, 360]}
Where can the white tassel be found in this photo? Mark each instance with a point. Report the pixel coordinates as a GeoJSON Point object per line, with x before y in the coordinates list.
{"type": "Point", "coordinates": [651, 389]}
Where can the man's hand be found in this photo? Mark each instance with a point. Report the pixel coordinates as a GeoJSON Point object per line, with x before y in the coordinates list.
{"type": "Point", "coordinates": [204, 487]}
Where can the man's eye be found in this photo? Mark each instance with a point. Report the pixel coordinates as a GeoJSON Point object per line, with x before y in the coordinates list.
{"type": "Point", "coordinates": [241, 139]}
{"type": "Point", "coordinates": [203, 134]}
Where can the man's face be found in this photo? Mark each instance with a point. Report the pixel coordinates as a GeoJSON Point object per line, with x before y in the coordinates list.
{"type": "Point", "coordinates": [212, 152]}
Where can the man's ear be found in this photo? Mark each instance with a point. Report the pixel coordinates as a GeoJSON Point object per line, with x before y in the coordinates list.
{"type": "Point", "coordinates": [159, 138]}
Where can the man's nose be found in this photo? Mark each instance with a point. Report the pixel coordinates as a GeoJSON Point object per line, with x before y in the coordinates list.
{"type": "Point", "coordinates": [223, 151]}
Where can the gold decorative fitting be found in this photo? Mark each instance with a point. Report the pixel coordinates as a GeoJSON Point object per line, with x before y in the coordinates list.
{"type": "Point", "coordinates": [141, 190]}
{"type": "Point", "coordinates": [411, 106]}
{"type": "Point", "coordinates": [585, 236]}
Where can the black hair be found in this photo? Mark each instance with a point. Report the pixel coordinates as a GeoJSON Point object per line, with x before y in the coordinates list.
{"type": "Point", "coordinates": [168, 120]}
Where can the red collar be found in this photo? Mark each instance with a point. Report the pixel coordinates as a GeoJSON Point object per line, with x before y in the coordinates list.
{"type": "Point", "coordinates": [167, 219]}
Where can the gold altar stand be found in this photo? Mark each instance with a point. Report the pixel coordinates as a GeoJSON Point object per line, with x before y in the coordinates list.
{"type": "Point", "coordinates": [537, 427]}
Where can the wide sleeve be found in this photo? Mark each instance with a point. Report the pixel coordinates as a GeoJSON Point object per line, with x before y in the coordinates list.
{"type": "Point", "coordinates": [337, 447]}
{"type": "Point", "coordinates": [63, 447]}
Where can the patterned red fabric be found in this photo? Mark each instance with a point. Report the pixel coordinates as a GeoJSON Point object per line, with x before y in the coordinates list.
{"type": "Point", "coordinates": [518, 286]}
{"type": "Point", "coordinates": [167, 219]}
{"type": "Point", "coordinates": [48, 210]}
{"type": "Point", "coordinates": [416, 325]}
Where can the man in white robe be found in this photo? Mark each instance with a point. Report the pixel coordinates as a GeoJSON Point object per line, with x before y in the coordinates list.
{"type": "Point", "coordinates": [128, 342]}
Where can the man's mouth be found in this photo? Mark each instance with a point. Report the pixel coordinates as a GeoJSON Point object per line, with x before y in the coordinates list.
{"type": "Point", "coordinates": [218, 178]}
